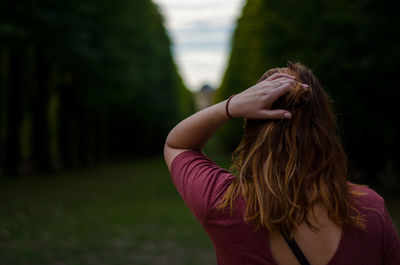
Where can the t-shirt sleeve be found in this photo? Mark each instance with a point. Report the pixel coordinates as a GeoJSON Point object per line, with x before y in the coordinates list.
{"type": "Point", "coordinates": [200, 182]}
{"type": "Point", "coordinates": [391, 242]}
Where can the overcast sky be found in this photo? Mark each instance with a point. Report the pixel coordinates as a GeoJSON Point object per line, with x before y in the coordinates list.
{"type": "Point", "coordinates": [200, 31]}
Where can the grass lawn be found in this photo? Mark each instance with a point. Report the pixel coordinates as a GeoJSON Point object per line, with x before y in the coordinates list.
{"type": "Point", "coordinates": [125, 213]}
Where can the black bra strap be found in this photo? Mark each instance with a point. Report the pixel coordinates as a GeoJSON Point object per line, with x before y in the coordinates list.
{"type": "Point", "coordinates": [295, 249]}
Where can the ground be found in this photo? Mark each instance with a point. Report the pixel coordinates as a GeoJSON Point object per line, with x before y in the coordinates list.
{"type": "Point", "coordinates": [124, 213]}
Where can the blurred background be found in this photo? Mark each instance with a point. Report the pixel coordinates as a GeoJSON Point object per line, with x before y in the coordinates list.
{"type": "Point", "coordinates": [90, 89]}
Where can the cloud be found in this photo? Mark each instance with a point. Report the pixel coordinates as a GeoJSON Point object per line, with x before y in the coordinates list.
{"type": "Point", "coordinates": [200, 31]}
{"type": "Point", "coordinates": [202, 67]}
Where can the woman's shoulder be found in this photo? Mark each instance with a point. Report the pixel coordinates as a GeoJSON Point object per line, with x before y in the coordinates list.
{"type": "Point", "coordinates": [365, 192]}
{"type": "Point", "coordinates": [366, 198]}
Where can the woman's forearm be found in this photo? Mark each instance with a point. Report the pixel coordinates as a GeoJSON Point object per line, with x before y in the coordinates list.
{"type": "Point", "coordinates": [194, 132]}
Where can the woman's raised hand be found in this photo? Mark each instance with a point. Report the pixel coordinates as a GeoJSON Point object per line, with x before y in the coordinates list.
{"type": "Point", "coordinates": [256, 101]}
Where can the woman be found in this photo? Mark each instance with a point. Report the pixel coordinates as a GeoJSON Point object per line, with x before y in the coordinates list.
{"type": "Point", "coordinates": [289, 201]}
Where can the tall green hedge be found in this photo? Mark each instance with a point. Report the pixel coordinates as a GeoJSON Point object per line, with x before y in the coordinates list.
{"type": "Point", "coordinates": [352, 48]}
{"type": "Point", "coordinates": [84, 82]}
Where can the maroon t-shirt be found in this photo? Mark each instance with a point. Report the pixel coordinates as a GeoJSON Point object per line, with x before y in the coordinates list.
{"type": "Point", "coordinates": [202, 183]}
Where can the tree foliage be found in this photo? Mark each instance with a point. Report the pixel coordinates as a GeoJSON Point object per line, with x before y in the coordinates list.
{"type": "Point", "coordinates": [352, 49]}
{"type": "Point", "coordinates": [85, 81]}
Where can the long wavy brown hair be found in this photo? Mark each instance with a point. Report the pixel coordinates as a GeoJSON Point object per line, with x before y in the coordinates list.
{"type": "Point", "coordinates": [285, 167]}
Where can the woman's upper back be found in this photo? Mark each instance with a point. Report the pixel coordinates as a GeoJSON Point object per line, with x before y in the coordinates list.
{"type": "Point", "coordinates": [237, 242]}
{"type": "Point", "coordinates": [324, 230]}
{"type": "Point", "coordinates": [202, 184]}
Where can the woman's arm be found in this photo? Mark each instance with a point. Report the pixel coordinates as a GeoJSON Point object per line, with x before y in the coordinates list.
{"type": "Point", "coordinates": [254, 103]}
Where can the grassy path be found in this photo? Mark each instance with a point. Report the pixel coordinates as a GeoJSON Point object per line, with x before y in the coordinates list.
{"type": "Point", "coordinates": [120, 214]}
{"type": "Point", "coordinates": [127, 213]}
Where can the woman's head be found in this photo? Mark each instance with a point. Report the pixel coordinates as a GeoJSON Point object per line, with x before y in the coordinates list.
{"type": "Point", "coordinates": [284, 167]}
